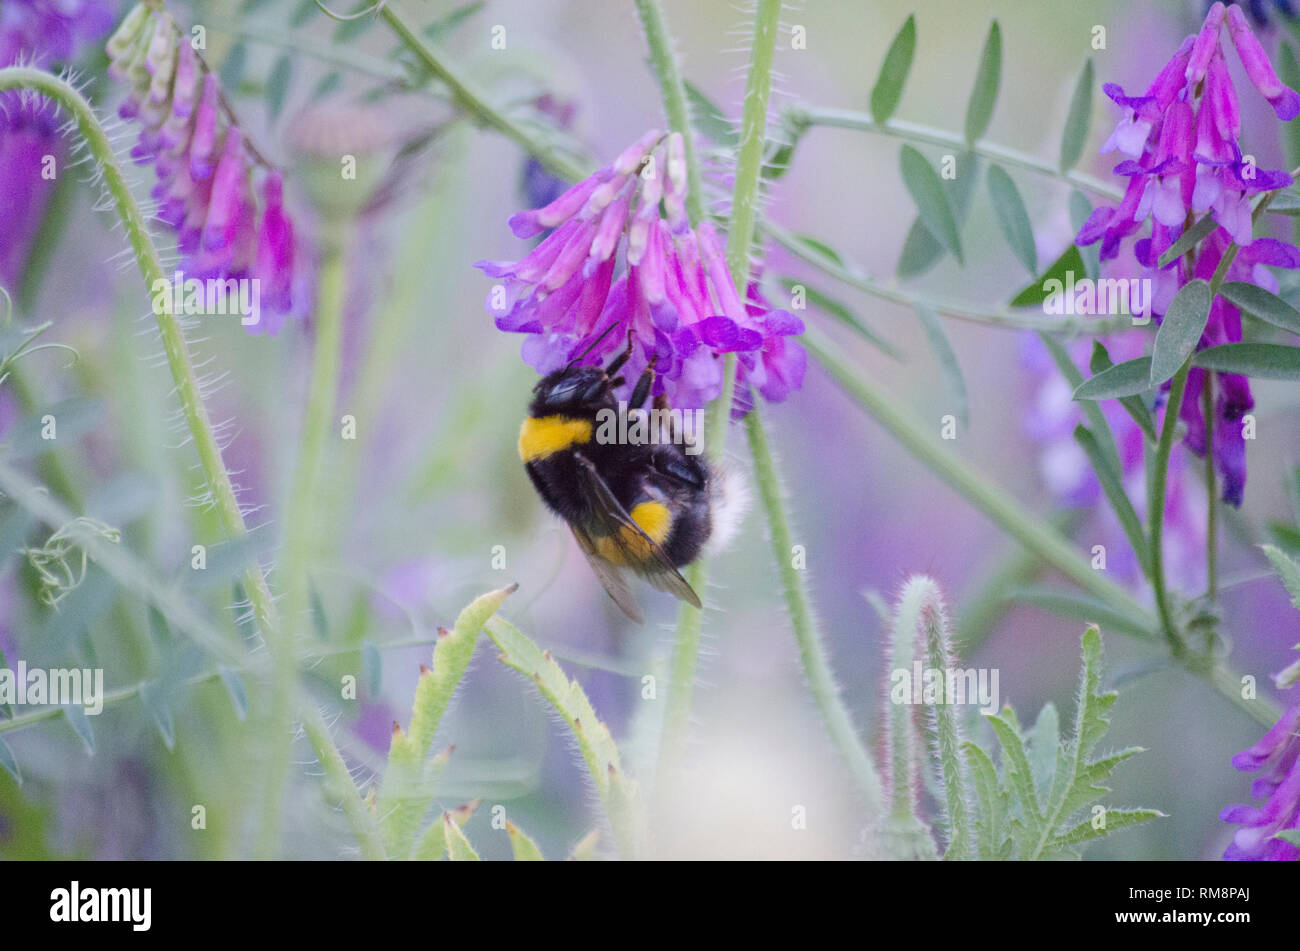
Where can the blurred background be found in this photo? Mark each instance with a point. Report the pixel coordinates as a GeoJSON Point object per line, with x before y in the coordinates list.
{"type": "Point", "coordinates": [419, 502]}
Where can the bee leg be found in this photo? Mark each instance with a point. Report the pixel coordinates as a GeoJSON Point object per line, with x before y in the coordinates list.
{"type": "Point", "coordinates": [643, 385]}
{"type": "Point", "coordinates": [622, 358]}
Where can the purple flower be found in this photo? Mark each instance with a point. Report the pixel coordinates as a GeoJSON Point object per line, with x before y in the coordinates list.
{"type": "Point", "coordinates": [1183, 139]}
{"type": "Point", "coordinates": [42, 32]}
{"type": "Point", "coordinates": [204, 166]}
{"type": "Point", "coordinates": [1276, 760]}
{"type": "Point", "coordinates": [611, 258]}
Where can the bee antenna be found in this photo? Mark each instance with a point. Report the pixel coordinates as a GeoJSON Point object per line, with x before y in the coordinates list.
{"type": "Point", "coordinates": [592, 346]}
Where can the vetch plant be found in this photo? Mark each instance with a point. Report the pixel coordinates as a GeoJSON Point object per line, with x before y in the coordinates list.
{"type": "Point", "coordinates": [356, 483]}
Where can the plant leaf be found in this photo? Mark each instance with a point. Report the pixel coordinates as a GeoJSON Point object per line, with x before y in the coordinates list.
{"type": "Point", "coordinates": [1134, 405]}
{"type": "Point", "coordinates": [1077, 120]}
{"type": "Point", "coordinates": [76, 716]}
{"type": "Point", "coordinates": [458, 847]}
{"type": "Point", "coordinates": [155, 704]}
{"type": "Point", "coordinates": [1012, 217]}
{"type": "Point", "coordinates": [1267, 306]}
{"type": "Point", "coordinates": [926, 188]}
{"type": "Point", "coordinates": [893, 72]}
{"type": "Point", "coordinates": [277, 85]}
{"type": "Point", "coordinates": [616, 789]}
{"type": "Point", "coordinates": [1067, 603]}
{"type": "Point", "coordinates": [9, 763]}
{"type": "Point", "coordinates": [1091, 411]}
{"type": "Point", "coordinates": [1035, 292]}
{"type": "Point", "coordinates": [1112, 485]}
{"type": "Point", "coordinates": [984, 94]}
{"type": "Point", "coordinates": [1122, 379]}
{"type": "Point", "coordinates": [709, 119]}
{"type": "Point", "coordinates": [1263, 361]}
{"type": "Point", "coordinates": [524, 848]}
{"type": "Point", "coordinates": [921, 250]}
{"type": "Point", "coordinates": [1189, 239]}
{"type": "Point", "coordinates": [238, 692]}
{"type": "Point", "coordinates": [1181, 330]}
{"type": "Point", "coordinates": [1288, 570]}
{"type": "Point", "coordinates": [946, 357]}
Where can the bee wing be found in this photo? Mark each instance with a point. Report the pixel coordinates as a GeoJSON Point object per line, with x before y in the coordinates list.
{"type": "Point", "coordinates": [610, 522]}
{"type": "Point", "coordinates": [610, 577]}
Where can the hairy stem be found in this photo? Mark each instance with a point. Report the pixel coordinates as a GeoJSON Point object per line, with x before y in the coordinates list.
{"type": "Point", "coordinates": [474, 103]}
{"type": "Point", "coordinates": [916, 132]}
{"type": "Point", "coordinates": [1009, 513]}
{"type": "Point", "coordinates": [664, 60]}
{"type": "Point", "coordinates": [178, 357]}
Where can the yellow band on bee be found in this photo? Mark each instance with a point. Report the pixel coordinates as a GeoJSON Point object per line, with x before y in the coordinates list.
{"type": "Point", "coordinates": [653, 518]}
{"type": "Point", "coordinates": [543, 436]}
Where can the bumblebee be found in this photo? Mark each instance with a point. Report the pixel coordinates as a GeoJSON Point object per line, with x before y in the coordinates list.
{"type": "Point", "coordinates": [645, 508]}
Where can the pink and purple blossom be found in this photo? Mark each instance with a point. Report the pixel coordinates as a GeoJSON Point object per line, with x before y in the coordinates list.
{"type": "Point", "coordinates": [610, 258]}
{"type": "Point", "coordinates": [1276, 760]}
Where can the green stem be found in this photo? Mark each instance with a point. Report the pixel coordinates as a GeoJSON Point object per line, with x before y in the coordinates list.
{"type": "Point", "coordinates": [1177, 387]}
{"type": "Point", "coordinates": [686, 648]}
{"type": "Point", "coordinates": [178, 357]}
{"type": "Point", "coordinates": [473, 102]}
{"type": "Point", "coordinates": [1009, 513]}
{"type": "Point", "coordinates": [300, 534]}
{"type": "Point", "coordinates": [812, 652]}
{"type": "Point", "coordinates": [1212, 494]}
{"type": "Point", "coordinates": [992, 316]}
{"type": "Point", "coordinates": [664, 61]}
{"type": "Point", "coordinates": [915, 132]}
{"type": "Point", "coordinates": [364, 825]}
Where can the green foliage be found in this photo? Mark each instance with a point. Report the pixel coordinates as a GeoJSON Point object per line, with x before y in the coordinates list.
{"type": "Point", "coordinates": [523, 848]}
{"type": "Point", "coordinates": [932, 205]}
{"type": "Point", "coordinates": [984, 94]}
{"type": "Point", "coordinates": [1012, 217]}
{"type": "Point", "coordinates": [1288, 570]}
{"type": "Point", "coordinates": [410, 777]}
{"type": "Point", "coordinates": [1262, 361]}
{"type": "Point", "coordinates": [888, 89]}
{"type": "Point", "coordinates": [617, 790]}
{"type": "Point", "coordinates": [1077, 120]}
{"type": "Point", "coordinates": [1037, 805]}
{"type": "Point", "coordinates": [1181, 330]}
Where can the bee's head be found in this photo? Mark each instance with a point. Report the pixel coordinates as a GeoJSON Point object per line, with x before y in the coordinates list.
{"type": "Point", "coordinates": [573, 391]}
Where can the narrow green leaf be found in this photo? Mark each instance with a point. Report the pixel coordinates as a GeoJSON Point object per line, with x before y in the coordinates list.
{"type": "Point", "coordinates": [1019, 772]}
{"type": "Point", "coordinates": [926, 188]}
{"type": "Point", "coordinates": [1012, 217]}
{"type": "Point", "coordinates": [921, 250]}
{"type": "Point", "coordinates": [946, 357]}
{"type": "Point", "coordinates": [841, 313]}
{"type": "Point", "coordinates": [1123, 379]}
{"type": "Point", "coordinates": [1037, 291]}
{"type": "Point", "coordinates": [1133, 405]}
{"type": "Point", "coordinates": [9, 763]}
{"type": "Point", "coordinates": [1286, 201]}
{"type": "Point", "coordinates": [984, 94]}
{"type": "Point", "coordinates": [76, 716]}
{"type": "Point", "coordinates": [991, 828]}
{"type": "Point", "coordinates": [1267, 306]}
{"type": "Point", "coordinates": [1289, 835]}
{"type": "Point", "coordinates": [1079, 607]}
{"type": "Point", "coordinates": [445, 24]}
{"type": "Point", "coordinates": [825, 250]}
{"type": "Point", "coordinates": [616, 790]}
{"type": "Point", "coordinates": [1113, 486]}
{"type": "Point", "coordinates": [1114, 819]}
{"type": "Point", "coordinates": [1091, 411]}
{"type": "Point", "coordinates": [458, 847]}
{"type": "Point", "coordinates": [524, 848]}
{"type": "Point", "coordinates": [1181, 330]}
{"type": "Point", "coordinates": [893, 72]}
{"type": "Point", "coordinates": [1189, 239]}
{"type": "Point", "coordinates": [328, 83]}
{"type": "Point", "coordinates": [372, 668]}
{"type": "Point", "coordinates": [319, 620]}
{"type": "Point", "coordinates": [1288, 570]}
{"type": "Point", "coordinates": [1077, 120]}
{"type": "Point", "coordinates": [1044, 741]}
{"type": "Point", "coordinates": [710, 120]}
{"type": "Point", "coordinates": [277, 85]}
{"type": "Point", "coordinates": [232, 70]}
{"type": "Point", "coordinates": [155, 704]}
{"type": "Point", "coordinates": [238, 692]}
{"type": "Point", "coordinates": [1263, 361]}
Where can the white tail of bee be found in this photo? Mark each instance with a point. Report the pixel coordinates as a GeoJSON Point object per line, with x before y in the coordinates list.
{"type": "Point", "coordinates": [729, 502]}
